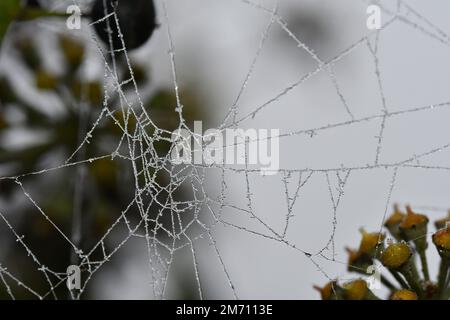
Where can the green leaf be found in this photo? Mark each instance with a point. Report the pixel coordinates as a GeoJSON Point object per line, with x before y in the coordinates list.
{"type": "Point", "coordinates": [9, 9]}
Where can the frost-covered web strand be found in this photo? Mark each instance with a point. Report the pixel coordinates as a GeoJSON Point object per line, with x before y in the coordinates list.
{"type": "Point", "coordinates": [202, 208]}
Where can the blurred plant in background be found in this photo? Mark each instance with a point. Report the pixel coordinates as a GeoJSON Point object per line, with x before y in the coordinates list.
{"type": "Point", "coordinates": [99, 190]}
{"type": "Point", "coordinates": [399, 258]}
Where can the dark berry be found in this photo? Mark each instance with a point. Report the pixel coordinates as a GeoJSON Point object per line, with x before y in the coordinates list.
{"type": "Point", "coordinates": [136, 21]}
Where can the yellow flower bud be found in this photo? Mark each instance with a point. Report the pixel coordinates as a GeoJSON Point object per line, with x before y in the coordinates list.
{"type": "Point", "coordinates": [370, 242]}
{"type": "Point", "coordinates": [441, 240]}
{"type": "Point", "coordinates": [356, 290]}
{"type": "Point", "coordinates": [394, 221]}
{"type": "Point", "coordinates": [331, 291]}
{"type": "Point", "coordinates": [404, 294]}
{"type": "Point", "coordinates": [414, 227]}
{"type": "Point", "coordinates": [396, 255]}
{"type": "Point", "coordinates": [413, 220]}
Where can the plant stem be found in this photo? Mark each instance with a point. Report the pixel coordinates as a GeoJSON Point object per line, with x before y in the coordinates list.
{"type": "Point", "coordinates": [388, 284]}
{"type": "Point", "coordinates": [442, 278]}
{"type": "Point", "coordinates": [413, 280]}
{"type": "Point", "coordinates": [399, 279]}
{"type": "Point", "coordinates": [423, 260]}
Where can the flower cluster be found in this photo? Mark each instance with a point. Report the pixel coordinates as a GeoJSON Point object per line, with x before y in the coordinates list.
{"type": "Point", "coordinates": [399, 256]}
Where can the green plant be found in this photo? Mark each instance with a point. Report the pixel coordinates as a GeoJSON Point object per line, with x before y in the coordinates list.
{"type": "Point", "coordinates": [399, 258]}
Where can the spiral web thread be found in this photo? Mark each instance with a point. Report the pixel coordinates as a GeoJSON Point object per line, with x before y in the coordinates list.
{"type": "Point", "coordinates": [142, 156]}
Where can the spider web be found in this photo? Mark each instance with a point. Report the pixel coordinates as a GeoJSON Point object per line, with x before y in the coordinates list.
{"type": "Point", "coordinates": [195, 220]}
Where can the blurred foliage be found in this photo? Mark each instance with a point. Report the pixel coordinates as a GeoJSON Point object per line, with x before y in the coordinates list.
{"type": "Point", "coordinates": [11, 10]}
{"type": "Point", "coordinates": [106, 184]}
